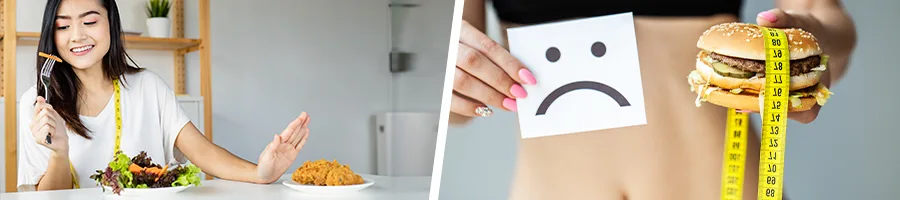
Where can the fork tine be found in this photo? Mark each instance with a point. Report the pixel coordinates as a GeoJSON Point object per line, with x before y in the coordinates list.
{"type": "Point", "coordinates": [50, 66]}
{"type": "Point", "coordinates": [44, 68]}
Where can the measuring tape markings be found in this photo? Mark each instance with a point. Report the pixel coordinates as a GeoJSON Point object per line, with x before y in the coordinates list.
{"type": "Point", "coordinates": [774, 111]}
{"type": "Point", "coordinates": [771, 157]}
{"type": "Point", "coordinates": [735, 148]}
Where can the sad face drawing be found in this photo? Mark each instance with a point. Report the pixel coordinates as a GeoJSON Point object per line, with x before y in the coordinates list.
{"type": "Point", "coordinates": [588, 74]}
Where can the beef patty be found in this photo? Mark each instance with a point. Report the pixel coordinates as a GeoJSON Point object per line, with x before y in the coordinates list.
{"type": "Point", "coordinates": [759, 66]}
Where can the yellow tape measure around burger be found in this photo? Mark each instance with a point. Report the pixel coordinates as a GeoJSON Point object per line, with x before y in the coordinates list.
{"type": "Point", "coordinates": [116, 147]}
{"type": "Point", "coordinates": [774, 113]}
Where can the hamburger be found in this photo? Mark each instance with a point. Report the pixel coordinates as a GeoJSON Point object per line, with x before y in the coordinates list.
{"type": "Point", "coordinates": [731, 68]}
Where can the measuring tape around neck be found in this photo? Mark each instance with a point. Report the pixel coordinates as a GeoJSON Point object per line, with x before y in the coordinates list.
{"type": "Point", "coordinates": [116, 148]}
{"type": "Point", "coordinates": [774, 113]}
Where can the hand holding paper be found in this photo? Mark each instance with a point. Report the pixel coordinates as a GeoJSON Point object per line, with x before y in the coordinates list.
{"type": "Point", "coordinates": [588, 72]}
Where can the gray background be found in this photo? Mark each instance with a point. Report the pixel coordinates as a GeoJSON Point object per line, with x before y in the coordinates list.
{"type": "Point", "coordinates": [849, 152]}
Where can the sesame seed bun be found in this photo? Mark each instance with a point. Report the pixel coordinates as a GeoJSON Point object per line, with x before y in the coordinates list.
{"type": "Point", "coordinates": [746, 41]}
{"type": "Point", "coordinates": [801, 81]}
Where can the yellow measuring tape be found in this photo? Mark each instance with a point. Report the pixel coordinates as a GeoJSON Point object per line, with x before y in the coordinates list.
{"type": "Point", "coordinates": [774, 113]}
{"type": "Point", "coordinates": [733, 164]}
{"type": "Point", "coordinates": [118, 130]}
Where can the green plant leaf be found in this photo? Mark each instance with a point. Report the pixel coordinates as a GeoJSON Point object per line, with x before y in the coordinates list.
{"type": "Point", "coordinates": [158, 8]}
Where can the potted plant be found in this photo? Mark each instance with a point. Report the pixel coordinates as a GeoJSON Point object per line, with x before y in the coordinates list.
{"type": "Point", "coordinates": [158, 23]}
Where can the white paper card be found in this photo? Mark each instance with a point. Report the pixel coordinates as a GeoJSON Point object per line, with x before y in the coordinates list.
{"type": "Point", "coordinates": [588, 76]}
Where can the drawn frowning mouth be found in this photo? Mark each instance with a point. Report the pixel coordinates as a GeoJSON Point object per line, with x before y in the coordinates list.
{"type": "Point", "coordinates": [600, 87]}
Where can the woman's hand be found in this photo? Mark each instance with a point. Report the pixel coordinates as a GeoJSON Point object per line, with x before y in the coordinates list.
{"type": "Point", "coordinates": [281, 152]}
{"type": "Point", "coordinates": [486, 74]}
{"type": "Point", "coordinates": [835, 34]}
{"type": "Point", "coordinates": [47, 121]}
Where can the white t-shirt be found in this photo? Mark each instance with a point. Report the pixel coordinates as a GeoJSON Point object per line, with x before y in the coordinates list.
{"type": "Point", "coordinates": [151, 121]}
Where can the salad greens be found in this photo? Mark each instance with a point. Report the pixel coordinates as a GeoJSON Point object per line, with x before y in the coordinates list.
{"type": "Point", "coordinates": [140, 172]}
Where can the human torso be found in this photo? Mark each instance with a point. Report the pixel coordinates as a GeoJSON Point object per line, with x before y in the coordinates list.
{"type": "Point", "coordinates": [676, 155]}
{"type": "Point", "coordinates": [141, 130]}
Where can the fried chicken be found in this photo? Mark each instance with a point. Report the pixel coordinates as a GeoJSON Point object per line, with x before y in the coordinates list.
{"type": "Point", "coordinates": [324, 173]}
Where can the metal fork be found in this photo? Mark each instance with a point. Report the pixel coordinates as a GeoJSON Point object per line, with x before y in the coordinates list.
{"type": "Point", "coordinates": [45, 79]}
{"type": "Point", "coordinates": [45, 76]}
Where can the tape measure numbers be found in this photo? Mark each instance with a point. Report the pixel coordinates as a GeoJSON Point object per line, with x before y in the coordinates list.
{"type": "Point", "coordinates": [774, 113]}
{"type": "Point", "coordinates": [775, 107]}
{"type": "Point", "coordinates": [735, 148]}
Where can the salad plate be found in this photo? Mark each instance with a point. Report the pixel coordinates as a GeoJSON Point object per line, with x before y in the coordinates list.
{"type": "Point", "coordinates": [142, 192]}
{"type": "Point", "coordinates": [139, 176]}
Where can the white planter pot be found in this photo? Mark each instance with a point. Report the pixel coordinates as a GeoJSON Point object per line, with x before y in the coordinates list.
{"type": "Point", "coordinates": [159, 27]}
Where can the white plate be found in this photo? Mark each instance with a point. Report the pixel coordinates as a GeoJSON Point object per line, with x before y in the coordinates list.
{"type": "Point", "coordinates": [144, 192]}
{"type": "Point", "coordinates": [312, 189]}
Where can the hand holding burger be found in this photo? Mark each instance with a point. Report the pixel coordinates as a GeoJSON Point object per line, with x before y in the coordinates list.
{"type": "Point", "coordinates": [730, 69]}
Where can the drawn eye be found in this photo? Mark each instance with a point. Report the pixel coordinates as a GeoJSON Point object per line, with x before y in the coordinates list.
{"type": "Point", "coordinates": [598, 49]}
{"type": "Point", "coordinates": [553, 54]}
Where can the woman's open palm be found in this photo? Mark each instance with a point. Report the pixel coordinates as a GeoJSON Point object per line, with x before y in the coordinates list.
{"type": "Point", "coordinates": [281, 152]}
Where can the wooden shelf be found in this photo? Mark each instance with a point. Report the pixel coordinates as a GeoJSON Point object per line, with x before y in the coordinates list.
{"type": "Point", "coordinates": [131, 42]}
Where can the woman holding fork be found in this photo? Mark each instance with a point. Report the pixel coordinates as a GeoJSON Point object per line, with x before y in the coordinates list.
{"type": "Point", "coordinates": [68, 128]}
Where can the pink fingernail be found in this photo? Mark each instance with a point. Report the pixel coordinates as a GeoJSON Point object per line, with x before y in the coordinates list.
{"type": "Point", "coordinates": [518, 91]}
{"type": "Point", "coordinates": [768, 16]}
{"type": "Point", "coordinates": [510, 104]}
{"type": "Point", "coordinates": [527, 77]}
{"type": "Point", "coordinates": [743, 111]}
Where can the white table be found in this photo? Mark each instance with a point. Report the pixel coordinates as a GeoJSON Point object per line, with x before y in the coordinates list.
{"type": "Point", "coordinates": [394, 188]}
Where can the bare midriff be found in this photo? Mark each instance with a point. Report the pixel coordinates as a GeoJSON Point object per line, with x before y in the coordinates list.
{"type": "Point", "coordinates": [676, 155]}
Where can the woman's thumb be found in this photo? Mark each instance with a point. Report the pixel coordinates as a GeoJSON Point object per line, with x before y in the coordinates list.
{"type": "Point", "coordinates": [777, 18]}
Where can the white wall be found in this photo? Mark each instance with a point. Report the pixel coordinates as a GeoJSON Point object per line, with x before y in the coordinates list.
{"type": "Point", "coordinates": [424, 31]}
{"type": "Point", "coordinates": [847, 153]}
{"type": "Point", "coordinates": [273, 59]}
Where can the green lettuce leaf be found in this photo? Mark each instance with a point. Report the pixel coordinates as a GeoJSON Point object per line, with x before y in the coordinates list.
{"type": "Point", "coordinates": [191, 176]}
{"type": "Point", "coordinates": [120, 164]}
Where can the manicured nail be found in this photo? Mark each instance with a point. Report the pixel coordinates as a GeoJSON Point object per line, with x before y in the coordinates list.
{"type": "Point", "coordinates": [768, 16]}
{"type": "Point", "coordinates": [510, 104]}
{"type": "Point", "coordinates": [518, 91]}
{"type": "Point", "coordinates": [742, 111]}
{"type": "Point", "coordinates": [484, 111]}
{"type": "Point", "coordinates": [527, 77]}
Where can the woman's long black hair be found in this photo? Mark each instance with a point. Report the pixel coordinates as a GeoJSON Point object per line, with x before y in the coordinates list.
{"type": "Point", "coordinates": [64, 84]}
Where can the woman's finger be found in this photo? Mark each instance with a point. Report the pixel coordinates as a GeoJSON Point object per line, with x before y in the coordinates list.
{"type": "Point", "coordinates": [465, 106]}
{"type": "Point", "coordinates": [303, 139]}
{"type": "Point", "coordinates": [501, 57]}
{"type": "Point", "coordinates": [43, 132]}
{"type": "Point", "coordinates": [306, 122]}
{"type": "Point", "coordinates": [48, 120]}
{"type": "Point", "coordinates": [295, 137]}
{"type": "Point", "coordinates": [477, 65]}
{"type": "Point", "coordinates": [304, 135]}
{"type": "Point", "coordinates": [41, 120]}
{"type": "Point", "coordinates": [40, 110]}
{"type": "Point", "coordinates": [470, 86]}
{"type": "Point", "coordinates": [291, 128]}
{"type": "Point", "coordinates": [807, 116]}
{"type": "Point", "coordinates": [305, 117]}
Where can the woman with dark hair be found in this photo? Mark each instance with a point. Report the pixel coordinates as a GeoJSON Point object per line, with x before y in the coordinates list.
{"type": "Point", "coordinates": [74, 129]}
